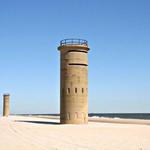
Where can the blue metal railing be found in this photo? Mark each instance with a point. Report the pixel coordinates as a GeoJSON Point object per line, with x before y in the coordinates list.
{"type": "Point", "coordinates": [73, 42]}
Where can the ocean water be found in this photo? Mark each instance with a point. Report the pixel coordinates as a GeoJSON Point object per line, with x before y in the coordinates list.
{"type": "Point", "coordinates": [109, 115]}
{"type": "Point", "coordinates": [122, 115]}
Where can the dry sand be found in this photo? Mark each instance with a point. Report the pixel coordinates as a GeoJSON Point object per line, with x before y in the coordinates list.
{"type": "Point", "coordinates": [31, 133]}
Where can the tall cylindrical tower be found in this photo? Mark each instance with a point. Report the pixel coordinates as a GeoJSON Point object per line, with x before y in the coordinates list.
{"type": "Point", "coordinates": [74, 81]}
{"type": "Point", "coordinates": [6, 105]}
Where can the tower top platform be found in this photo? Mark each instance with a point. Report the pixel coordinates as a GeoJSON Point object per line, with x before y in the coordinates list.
{"type": "Point", "coordinates": [73, 41]}
{"type": "Point", "coordinates": [6, 94]}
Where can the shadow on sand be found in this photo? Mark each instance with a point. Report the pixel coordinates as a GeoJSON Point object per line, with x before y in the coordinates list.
{"type": "Point", "coordinates": [39, 122]}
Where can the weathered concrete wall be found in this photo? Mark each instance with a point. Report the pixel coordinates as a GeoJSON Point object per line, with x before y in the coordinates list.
{"type": "Point", "coordinates": [6, 105]}
{"type": "Point", "coordinates": [74, 84]}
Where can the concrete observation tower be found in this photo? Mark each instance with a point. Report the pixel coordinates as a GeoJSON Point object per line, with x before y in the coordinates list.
{"type": "Point", "coordinates": [74, 81]}
{"type": "Point", "coordinates": [6, 106]}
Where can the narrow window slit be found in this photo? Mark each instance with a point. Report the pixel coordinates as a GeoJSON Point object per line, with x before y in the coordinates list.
{"type": "Point", "coordinates": [82, 90]}
{"type": "Point", "coordinates": [68, 90]}
{"type": "Point", "coordinates": [75, 90]}
{"type": "Point", "coordinates": [78, 64]}
{"type": "Point", "coordinates": [78, 51]}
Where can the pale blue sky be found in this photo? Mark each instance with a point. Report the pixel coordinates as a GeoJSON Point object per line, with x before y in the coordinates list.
{"type": "Point", "coordinates": [118, 32]}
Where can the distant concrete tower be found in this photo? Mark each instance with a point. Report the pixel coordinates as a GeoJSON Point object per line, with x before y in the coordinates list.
{"type": "Point", "coordinates": [6, 105]}
{"type": "Point", "coordinates": [74, 81]}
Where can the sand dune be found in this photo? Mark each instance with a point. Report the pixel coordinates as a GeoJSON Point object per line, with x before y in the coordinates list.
{"type": "Point", "coordinates": [31, 133]}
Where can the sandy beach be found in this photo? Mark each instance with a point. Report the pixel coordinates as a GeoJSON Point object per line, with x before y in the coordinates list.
{"type": "Point", "coordinates": [32, 133]}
